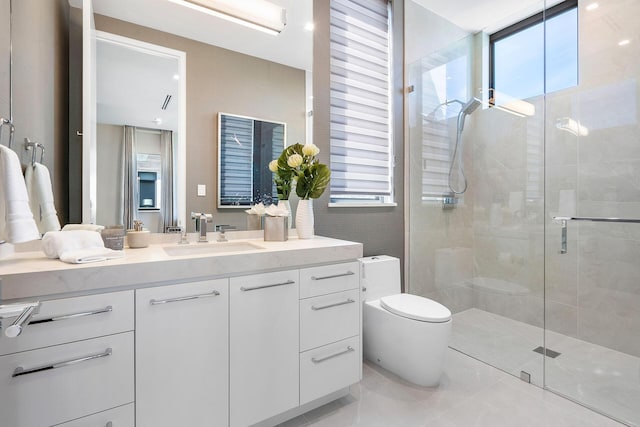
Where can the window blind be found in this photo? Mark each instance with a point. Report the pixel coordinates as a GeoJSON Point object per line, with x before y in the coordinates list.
{"type": "Point", "coordinates": [360, 112]}
{"type": "Point", "coordinates": [236, 173]}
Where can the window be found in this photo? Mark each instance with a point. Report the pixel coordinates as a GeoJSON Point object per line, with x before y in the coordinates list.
{"type": "Point", "coordinates": [148, 167]}
{"type": "Point", "coordinates": [361, 143]}
{"type": "Point", "coordinates": [526, 62]}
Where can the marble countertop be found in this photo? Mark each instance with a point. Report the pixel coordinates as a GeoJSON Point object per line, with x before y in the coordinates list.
{"type": "Point", "coordinates": [30, 274]}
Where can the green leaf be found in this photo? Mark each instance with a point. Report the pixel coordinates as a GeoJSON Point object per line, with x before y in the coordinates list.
{"type": "Point", "coordinates": [312, 181]}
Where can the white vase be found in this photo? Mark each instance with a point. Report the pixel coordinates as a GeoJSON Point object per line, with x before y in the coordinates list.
{"type": "Point", "coordinates": [287, 205]}
{"type": "Point", "coordinates": [304, 219]}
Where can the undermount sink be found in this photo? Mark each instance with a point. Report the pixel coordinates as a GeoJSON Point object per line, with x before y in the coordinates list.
{"type": "Point", "coordinates": [210, 248]}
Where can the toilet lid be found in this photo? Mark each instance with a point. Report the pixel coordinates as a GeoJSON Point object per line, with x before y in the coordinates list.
{"type": "Point", "coordinates": [416, 307]}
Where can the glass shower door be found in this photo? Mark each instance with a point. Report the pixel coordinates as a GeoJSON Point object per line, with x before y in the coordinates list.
{"type": "Point", "coordinates": [480, 252]}
{"type": "Point", "coordinates": [592, 202]}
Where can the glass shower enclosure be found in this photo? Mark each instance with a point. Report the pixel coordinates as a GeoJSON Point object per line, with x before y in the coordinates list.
{"type": "Point", "coordinates": [524, 188]}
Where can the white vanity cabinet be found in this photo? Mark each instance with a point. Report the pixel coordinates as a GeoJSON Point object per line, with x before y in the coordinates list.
{"type": "Point", "coordinates": [75, 359]}
{"type": "Point", "coordinates": [330, 325]}
{"type": "Point", "coordinates": [122, 416]}
{"type": "Point", "coordinates": [153, 340]}
{"type": "Point", "coordinates": [182, 355]}
{"type": "Point", "coordinates": [264, 346]}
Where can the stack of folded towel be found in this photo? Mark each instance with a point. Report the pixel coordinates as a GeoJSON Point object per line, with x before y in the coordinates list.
{"type": "Point", "coordinates": [16, 220]}
{"type": "Point", "coordinates": [40, 192]}
{"type": "Point", "coordinates": [77, 247]}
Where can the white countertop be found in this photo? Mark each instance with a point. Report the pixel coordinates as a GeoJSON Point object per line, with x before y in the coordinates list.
{"type": "Point", "coordinates": [31, 275]}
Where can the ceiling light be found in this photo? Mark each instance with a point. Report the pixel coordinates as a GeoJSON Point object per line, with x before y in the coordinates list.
{"type": "Point", "coordinates": [624, 42]}
{"type": "Point", "coordinates": [176, 77]}
{"type": "Point", "coordinates": [592, 6]}
{"type": "Point", "coordinates": [257, 14]}
{"type": "Point", "coordinates": [309, 26]}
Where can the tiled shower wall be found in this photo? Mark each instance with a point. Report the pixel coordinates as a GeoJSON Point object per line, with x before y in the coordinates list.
{"type": "Point", "coordinates": [490, 252]}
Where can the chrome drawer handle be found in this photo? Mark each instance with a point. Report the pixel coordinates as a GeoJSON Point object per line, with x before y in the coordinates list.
{"type": "Point", "coordinates": [23, 313]}
{"type": "Point", "coordinates": [15, 328]}
{"type": "Point", "coordinates": [322, 307]}
{"type": "Point", "coordinates": [107, 309]}
{"type": "Point", "coordinates": [340, 353]}
{"type": "Point", "coordinates": [190, 297]}
{"type": "Point", "coordinates": [333, 276]}
{"type": "Point", "coordinates": [253, 288]}
{"type": "Point", "coordinates": [19, 371]}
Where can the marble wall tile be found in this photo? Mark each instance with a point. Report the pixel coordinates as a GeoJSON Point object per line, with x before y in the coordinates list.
{"type": "Point", "coordinates": [456, 298]}
{"type": "Point", "coordinates": [561, 318]}
{"type": "Point", "coordinates": [609, 329]}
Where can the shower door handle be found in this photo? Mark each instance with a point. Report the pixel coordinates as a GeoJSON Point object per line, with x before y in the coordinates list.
{"type": "Point", "coordinates": [563, 244]}
{"type": "Point", "coordinates": [597, 219]}
{"type": "Point", "coordinates": [565, 219]}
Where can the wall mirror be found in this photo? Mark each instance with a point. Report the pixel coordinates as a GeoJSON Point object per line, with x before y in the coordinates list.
{"type": "Point", "coordinates": [140, 135]}
{"type": "Point", "coordinates": [246, 146]}
{"type": "Point", "coordinates": [229, 68]}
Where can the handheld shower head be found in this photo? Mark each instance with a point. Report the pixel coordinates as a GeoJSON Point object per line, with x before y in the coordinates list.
{"type": "Point", "coordinates": [466, 110]}
{"type": "Point", "coordinates": [471, 106]}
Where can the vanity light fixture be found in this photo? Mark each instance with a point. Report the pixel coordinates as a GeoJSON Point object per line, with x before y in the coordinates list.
{"type": "Point", "coordinates": [572, 126]}
{"type": "Point", "coordinates": [256, 14]}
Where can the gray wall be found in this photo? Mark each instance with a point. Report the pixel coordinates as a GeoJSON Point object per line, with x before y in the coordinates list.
{"type": "Point", "coordinates": [381, 230]}
{"type": "Point", "coordinates": [40, 83]}
{"type": "Point", "coordinates": [219, 80]}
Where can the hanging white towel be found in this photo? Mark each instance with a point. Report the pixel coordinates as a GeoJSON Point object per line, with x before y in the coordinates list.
{"type": "Point", "coordinates": [16, 220]}
{"type": "Point", "coordinates": [77, 247]}
{"type": "Point", "coordinates": [41, 197]}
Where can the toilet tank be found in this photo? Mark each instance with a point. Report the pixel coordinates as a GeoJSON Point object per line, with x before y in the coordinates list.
{"type": "Point", "coordinates": [380, 276]}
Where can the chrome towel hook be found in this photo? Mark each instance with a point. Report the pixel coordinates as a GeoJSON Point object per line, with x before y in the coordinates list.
{"type": "Point", "coordinates": [32, 145]}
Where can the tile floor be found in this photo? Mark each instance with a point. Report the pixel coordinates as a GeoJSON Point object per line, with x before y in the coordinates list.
{"type": "Point", "coordinates": [594, 375]}
{"type": "Point", "coordinates": [471, 393]}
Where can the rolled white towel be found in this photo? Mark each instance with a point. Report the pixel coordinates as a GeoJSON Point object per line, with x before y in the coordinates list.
{"type": "Point", "coordinates": [77, 246]}
{"type": "Point", "coordinates": [87, 227]}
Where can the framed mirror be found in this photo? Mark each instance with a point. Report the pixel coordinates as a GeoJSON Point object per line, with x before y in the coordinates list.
{"type": "Point", "coordinates": [246, 146]}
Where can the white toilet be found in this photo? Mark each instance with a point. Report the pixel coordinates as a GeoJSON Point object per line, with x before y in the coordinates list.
{"type": "Point", "coordinates": [405, 334]}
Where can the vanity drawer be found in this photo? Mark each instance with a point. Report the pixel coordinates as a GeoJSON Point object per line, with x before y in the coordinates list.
{"type": "Point", "coordinates": [329, 318]}
{"type": "Point", "coordinates": [329, 368]}
{"type": "Point", "coordinates": [328, 279]}
{"type": "Point", "coordinates": [123, 416]}
{"type": "Point", "coordinates": [73, 319]}
{"type": "Point", "coordinates": [98, 375]}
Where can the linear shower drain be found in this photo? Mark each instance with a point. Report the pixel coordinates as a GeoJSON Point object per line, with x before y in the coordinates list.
{"type": "Point", "coordinates": [549, 353]}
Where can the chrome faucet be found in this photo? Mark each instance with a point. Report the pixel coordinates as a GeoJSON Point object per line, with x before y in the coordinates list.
{"type": "Point", "coordinates": [201, 220]}
{"type": "Point", "coordinates": [221, 228]}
